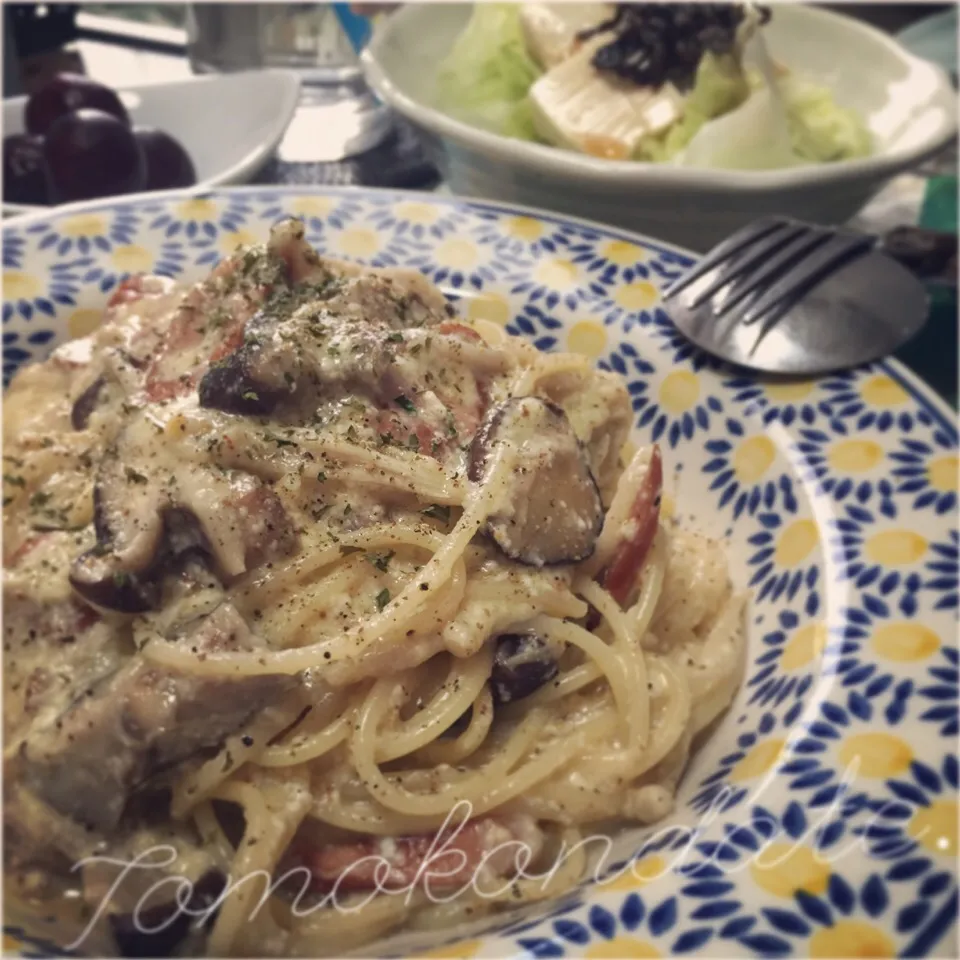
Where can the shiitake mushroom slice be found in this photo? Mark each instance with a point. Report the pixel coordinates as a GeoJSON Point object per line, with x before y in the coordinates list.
{"type": "Point", "coordinates": [86, 403]}
{"type": "Point", "coordinates": [233, 385]}
{"type": "Point", "coordinates": [553, 512]}
{"type": "Point", "coordinates": [522, 663]}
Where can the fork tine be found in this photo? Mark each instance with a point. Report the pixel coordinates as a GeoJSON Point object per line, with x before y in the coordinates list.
{"type": "Point", "coordinates": [809, 271]}
{"type": "Point", "coordinates": [745, 259]}
{"type": "Point", "coordinates": [776, 265]}
{"type": "Point", "coordinates": [742, 238]}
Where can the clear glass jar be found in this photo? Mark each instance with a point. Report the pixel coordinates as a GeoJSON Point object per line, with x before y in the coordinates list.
{"type": "Point", "coordinates": [223, 37]}
{"type": "Point", "coordinates": [338, 116]}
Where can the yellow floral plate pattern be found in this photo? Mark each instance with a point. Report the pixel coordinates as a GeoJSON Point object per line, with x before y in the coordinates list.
{"type": "Point", "coordinates": [820, 820]}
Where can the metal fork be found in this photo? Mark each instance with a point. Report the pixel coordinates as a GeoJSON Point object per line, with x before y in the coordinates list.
{"type": "Point", "coordinates": [788, 297]}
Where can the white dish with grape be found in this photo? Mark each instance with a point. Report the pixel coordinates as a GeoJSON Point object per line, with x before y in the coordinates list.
{"type": "Point", "coordinates": [229, 125]}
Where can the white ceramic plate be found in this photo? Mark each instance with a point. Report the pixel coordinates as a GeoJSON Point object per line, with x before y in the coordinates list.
{"type": "Point", "coordinates": [909, 105]}
{"type": "Point", "coordinates": [229, 124]}
{"type": "Point", "coordinates": [820, 818]}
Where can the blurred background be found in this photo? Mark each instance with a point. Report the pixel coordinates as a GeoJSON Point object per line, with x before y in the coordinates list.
{"type": "Point", "coordinates": [135, 43]}
{"type": "Point", "coordinates": [340, 133]}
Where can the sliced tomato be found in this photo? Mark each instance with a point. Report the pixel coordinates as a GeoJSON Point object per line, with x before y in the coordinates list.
{"type": "Point", "coordinates": [26, 547]}
{"type": "Point", "coordinates": [620, 576]}
{"type": "Point", "coordinates": [183, 334]}
{"type": "Point", "coordinates": [467, 414]}
{"type": "Point", "coordinates": [128, 290]}
{"type": "Point", "coordinates": [191, 333]}
{"type": "Point", "coordinates": [401, 426]}
{"type": "Point", "coordinates": [398, 864]}
{"type": "Point", "coordinates": [86, 616]}
{"type": "Point", "coordinates": [266, 529]}
{"type": "Point", "coordinates": [460, 330]}
{"type": "Point", "coordinates": [230, 343]}
{"type": "Point", "coordinates": [187, 332]}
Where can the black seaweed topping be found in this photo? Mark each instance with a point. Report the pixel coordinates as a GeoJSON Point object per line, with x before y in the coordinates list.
{"type": "Point", "coordinates": [656, 43]}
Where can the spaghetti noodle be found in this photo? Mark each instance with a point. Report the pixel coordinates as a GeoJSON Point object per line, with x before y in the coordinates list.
{"type": "Point", "coordinates": [321, 587]}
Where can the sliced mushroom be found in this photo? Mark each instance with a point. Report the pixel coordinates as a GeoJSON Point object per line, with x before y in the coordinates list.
{"type": "Point", "coordinates": [256, 376]}
{"type": "Point", "coordinates": [129, 729]}
{"type": "Point", "coordinates": [522, 664]}
{"type": "Point", "coordinates": [237, 385]}
{"type": "Point", "coordinates": [101, 578]}
{"type": "Point", "coordinates": [126, 510]}
{"type": "Point", "coordinates": [86, 403]}
{"type": "Point", "coordinates": [183, 535]}
{"type": "Point", "coordinates": [459, 726]}
{"type": "Point", "coordinates": [158, 931]}
{"type": "Point", "coordinates": [151, 512]}
{"type": "Point", "coordinates": [96, 576]}
{"type": "Point", "coordinates": [116, 573]}
{"type": "Point", "coordinates": [553, 512]}
{"type": "Point", "coordinates": [120, 377]}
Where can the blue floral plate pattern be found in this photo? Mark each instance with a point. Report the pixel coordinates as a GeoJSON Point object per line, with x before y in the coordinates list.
{"type": "Point", "coordinates": [820, 819]}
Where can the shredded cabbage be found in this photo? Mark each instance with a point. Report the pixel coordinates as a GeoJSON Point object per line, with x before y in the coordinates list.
{"type": "Point", "coordinates": [485, 78]}
{"type": "Point", "coordinates": [820, 129]}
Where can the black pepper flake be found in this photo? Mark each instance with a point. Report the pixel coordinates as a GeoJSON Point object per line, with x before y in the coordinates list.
{"type": "Point", "coordinates": [380, 560]}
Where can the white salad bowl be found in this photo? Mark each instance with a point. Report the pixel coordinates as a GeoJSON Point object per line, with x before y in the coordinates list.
{"type": "Point", "coordinates": [229, 125]}
{"type": "Point", "coordinates": [908, 105]}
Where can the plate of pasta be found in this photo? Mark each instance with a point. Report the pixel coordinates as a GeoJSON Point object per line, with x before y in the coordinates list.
{"type": "Point", "coordinates": [384, 575]}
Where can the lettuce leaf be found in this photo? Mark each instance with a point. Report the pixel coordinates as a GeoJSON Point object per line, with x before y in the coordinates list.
{"type": "Point", "coordinates": [719, 87]}
{"type": "Point", "coordinates": [485, 78]}
{"type": "Point", "coordinates": [783, 122]}
{"type": "Point", "coordinates": [820, 129]}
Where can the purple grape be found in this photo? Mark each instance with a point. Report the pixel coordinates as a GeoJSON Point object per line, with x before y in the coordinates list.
{"type": "Point", "coordinates": [168, 163]}
{"type": "Point", "coordinates": [24, 170]}
{"type": "Point", "coordinates": [67, 93]}
{"type": "Point", "coordinates": [90, 153]}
